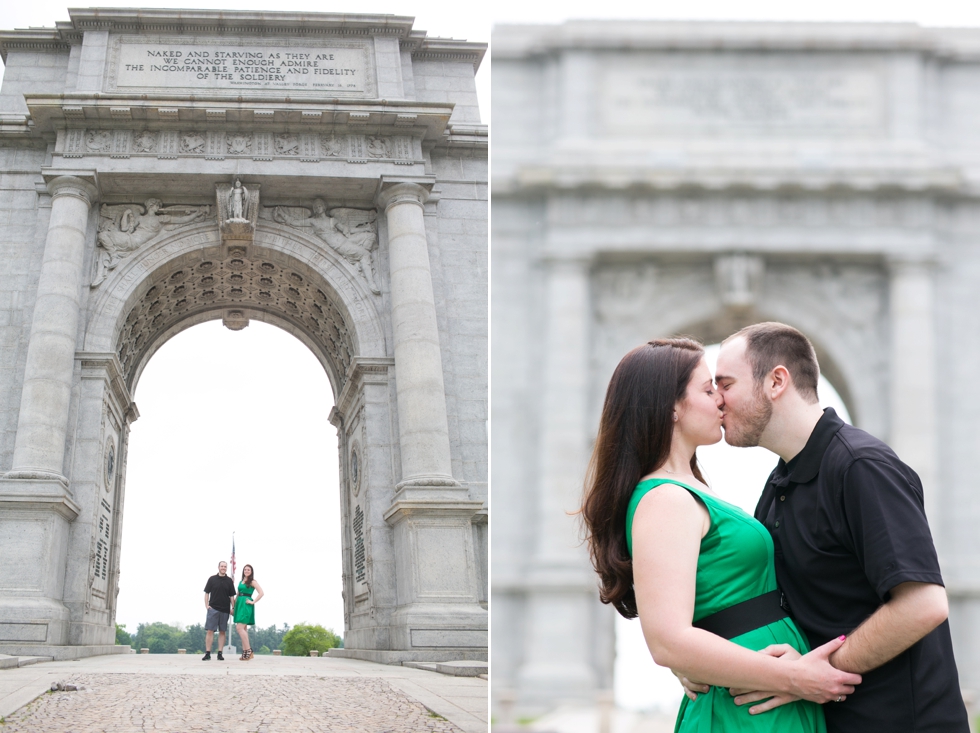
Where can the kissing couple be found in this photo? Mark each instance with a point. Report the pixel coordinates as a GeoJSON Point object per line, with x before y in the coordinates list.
{"type": "Point", "coordinates": [826, 612]}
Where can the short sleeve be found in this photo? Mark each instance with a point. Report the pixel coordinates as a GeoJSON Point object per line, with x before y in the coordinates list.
{"type": "Point", "coordinates": [886, 523]}
{"type": "Point", "coordinates": [207, 586]}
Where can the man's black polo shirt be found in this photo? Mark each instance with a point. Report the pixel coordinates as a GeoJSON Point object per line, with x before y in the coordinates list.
{"type": "Point", "coordinates": [848, 525]}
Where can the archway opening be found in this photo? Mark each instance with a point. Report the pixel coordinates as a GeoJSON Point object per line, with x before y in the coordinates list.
{"type": "Point", "coordinates": [233, 437]}
{"type": "Point", "coordinates": [737, 475]}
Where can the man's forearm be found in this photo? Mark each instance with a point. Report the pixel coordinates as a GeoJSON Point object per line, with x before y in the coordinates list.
{"type": "Point", "coordinates": [913, 610]}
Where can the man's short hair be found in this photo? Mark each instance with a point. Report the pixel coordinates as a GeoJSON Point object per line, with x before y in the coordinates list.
{"type": "Point", "coordinates": [768, 345]}
{"type": "Point", "coordinates": [222, 562]}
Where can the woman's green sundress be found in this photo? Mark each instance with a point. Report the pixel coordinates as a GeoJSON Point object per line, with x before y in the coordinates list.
{"type": "Point", "coordinates": [734, 565]}
{"type": "Point", "coordinates": [244, 612]}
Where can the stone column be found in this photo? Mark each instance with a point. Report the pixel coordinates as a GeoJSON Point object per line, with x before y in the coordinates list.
{"type": "Point", "coordinates": [39, 449]}
{"type": "Point", "coordinates": [36, 506]}
{"type": "Point", "coordinates": [423, 428]}
{"type": "Point", "coordinates": [561, 592]}
{"type": "Point", "coordinates": [913, 378]}
{"type": "Point", "coordinates": [438, 614]}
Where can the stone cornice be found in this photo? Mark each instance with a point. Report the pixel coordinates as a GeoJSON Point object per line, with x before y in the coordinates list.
{"type": "Point", "coordinates": [362, 370]}
{"type": "Point", "coordinates": [47, 40]}
{"type": "Point", "coordinates": [48, 113]}
{"type": "Point", "coordinates": [527, 41]}
{"type": "Point", "coordinates": [238, 23]}
{"type": "Point", "coordinates": [106, 366]}
{"type": "Point", "coordinates": [447, 49]}
{"type": "Point", "coordinates": [466, 137]}
{"type": "Point", "coordinates": [544, 178]}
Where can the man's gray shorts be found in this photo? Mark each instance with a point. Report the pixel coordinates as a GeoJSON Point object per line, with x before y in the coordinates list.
{"type": "Point", "coordinates": [217, 620]}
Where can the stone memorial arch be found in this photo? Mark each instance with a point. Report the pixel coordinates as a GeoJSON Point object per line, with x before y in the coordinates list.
{"type": "Point", "coordinates": [322, 173]}
{"type": "Point", "coordinates": [661, 178]}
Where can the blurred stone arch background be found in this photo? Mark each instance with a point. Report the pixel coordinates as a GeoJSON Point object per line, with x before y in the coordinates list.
{"type": "Point", "coordinates": [651, 178]}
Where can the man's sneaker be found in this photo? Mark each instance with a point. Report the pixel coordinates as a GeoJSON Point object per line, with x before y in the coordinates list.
{"type": "Point", "coordinates": [220, 658]}
{"type": "Point", "coordinates": [207, 656]}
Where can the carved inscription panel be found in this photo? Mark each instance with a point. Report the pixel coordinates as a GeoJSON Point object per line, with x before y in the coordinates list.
{"type": "Point", "coordinates": [641, 93]}
{"type": "Point", "coordinates": [360, 554]}
{"type": "Point", "coordinates": [330, 67]}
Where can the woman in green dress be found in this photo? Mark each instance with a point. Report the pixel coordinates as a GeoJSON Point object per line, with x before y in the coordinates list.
{"type": "Point", "coordinates": [249, 593]}
{"type": "Point", "coordinates": [669, 551]}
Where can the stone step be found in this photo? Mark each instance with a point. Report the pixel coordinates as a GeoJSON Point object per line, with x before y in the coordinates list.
{"type": "Point", "coordinates": [8, 661]}
{"type": "Point", "coordinates": [24, 661]}
{"type": "Point", "coordinates": [59, 653]}
{"type": "Point", "coordinates": [427, 666]}
{"type": "Point", "coordinates": [400, 657]}
{"type": "Point", "coordinates": [465, 668]}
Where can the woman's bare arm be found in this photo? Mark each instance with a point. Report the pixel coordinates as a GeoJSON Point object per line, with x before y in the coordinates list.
{"type": "Point", "coordinates": [255, 598]}
{"type": "Point", "coordinates": [667, 530]}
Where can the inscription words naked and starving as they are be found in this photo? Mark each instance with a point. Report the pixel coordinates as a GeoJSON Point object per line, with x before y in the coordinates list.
{"type": "Point", "coordinates": [334, 67]}
{"type": "Point", "coordinates": [641, 95]}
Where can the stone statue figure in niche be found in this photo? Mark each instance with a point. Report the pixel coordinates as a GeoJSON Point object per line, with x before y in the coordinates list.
{"type": "Point", "coordinates": [238, 203]}
{"type": "Point", "coordinates": [125, 228]}
{"type": "Point", "coordinates": [352, 233]}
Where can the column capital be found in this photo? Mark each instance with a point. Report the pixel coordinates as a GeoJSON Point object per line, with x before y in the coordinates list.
{"type": "Point", "coordinates": [73, 186]}
{"type": "Point", "coordinates": [902, 262]}
{"type": "Point", "coordinates": [402, 192]}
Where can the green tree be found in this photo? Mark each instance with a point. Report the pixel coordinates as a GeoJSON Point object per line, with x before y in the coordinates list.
{"type": "Point", "coordinates": [302, 638]}
{"type": "Point", "coordinates": [123, 637]}
{"type": "Point", "coordinates": [158, 637]}
{"type": "Point", "coordinates": [193, 639]}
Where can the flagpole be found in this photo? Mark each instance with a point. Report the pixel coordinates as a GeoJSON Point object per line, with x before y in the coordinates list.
{"type": "Point", "coordinates": [229, 647]}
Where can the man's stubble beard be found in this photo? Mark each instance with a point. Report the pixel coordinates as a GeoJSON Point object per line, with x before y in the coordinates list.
{"type": "Point", "coordinates": [751, 423]}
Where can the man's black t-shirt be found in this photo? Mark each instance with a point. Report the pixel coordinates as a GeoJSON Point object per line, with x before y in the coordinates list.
{"type": "Point", "coordinates": [848, 525]}
{"type": "Point", "coordinates": [221, 588]}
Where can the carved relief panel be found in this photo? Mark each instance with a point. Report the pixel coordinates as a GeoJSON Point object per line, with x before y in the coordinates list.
{"type": "Point", "coordinates": [219, 144]}
{"type": "Point", "coordinates": [125, 228]}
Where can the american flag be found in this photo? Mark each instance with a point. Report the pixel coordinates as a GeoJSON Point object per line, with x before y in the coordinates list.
{"type": "Point", "coordinates": [232, 554]}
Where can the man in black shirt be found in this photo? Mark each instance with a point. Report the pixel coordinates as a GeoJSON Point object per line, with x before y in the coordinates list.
{"type": "Point", "coordinates": [853, 551]}
{"type": "Point", "coordinates": [219, 602]}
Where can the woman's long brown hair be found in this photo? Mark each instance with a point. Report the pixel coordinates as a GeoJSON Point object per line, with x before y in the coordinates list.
{"type": "Point", "coordinates": [634, 440]}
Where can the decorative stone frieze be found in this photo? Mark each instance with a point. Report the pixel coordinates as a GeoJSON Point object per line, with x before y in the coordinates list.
{"type": "Point", "coordinates": [216, 144]}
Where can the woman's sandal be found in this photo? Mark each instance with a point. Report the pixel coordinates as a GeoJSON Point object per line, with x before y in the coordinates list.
{"type": "Point", "coordinates": [247, 655]}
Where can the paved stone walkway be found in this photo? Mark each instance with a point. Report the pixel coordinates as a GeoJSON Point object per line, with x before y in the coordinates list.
{"type": "Point", "coordinates": [182, 694]}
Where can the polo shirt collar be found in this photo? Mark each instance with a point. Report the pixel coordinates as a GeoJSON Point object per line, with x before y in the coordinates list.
{"type": "Point", "coordinates": [806, 464]}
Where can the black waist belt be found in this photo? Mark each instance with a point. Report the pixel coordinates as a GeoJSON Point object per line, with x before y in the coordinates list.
{"type": "Point", "coordinates": [745, 616]}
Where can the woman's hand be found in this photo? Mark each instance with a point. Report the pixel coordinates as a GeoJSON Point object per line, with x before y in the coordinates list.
{"type": "Point", "coordinates": [250, 602]}
{"type": "Point", "coordinates": [772, 699]}
{"type": "Point", "coordinates": [816, 679]}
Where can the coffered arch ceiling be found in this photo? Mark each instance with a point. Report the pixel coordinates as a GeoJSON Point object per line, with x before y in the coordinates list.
{"type": "Point", "coordinates": [237, 283]}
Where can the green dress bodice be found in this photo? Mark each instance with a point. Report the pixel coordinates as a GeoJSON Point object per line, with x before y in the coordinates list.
{"type": "Point", "coordinates": [244, 612]}
{"type": "Point", "coordinates": [735, 564]}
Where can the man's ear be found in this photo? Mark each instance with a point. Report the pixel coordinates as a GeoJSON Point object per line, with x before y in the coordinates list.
{"type": "Point", "coordinates": [778, 381]}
